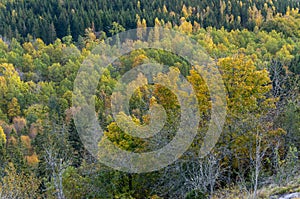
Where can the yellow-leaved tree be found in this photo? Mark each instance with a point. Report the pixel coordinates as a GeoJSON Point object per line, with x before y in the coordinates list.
{"type": "Point", "coordinates": [2, 137]}
{"type": "Point", "coordinates": [249, 129]}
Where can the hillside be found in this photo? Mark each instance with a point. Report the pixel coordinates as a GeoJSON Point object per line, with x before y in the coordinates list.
{"type": "Point", "coordinates": [82, 99]}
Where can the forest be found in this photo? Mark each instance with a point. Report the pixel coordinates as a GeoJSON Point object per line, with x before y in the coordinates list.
{"type": "Point", "coordinates": [256, 46]}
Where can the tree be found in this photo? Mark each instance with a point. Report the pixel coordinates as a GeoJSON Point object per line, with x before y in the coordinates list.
{"type": "Point", "coordinates": [76, 144]}
{"type": "Point", "coordinates": [57, 166]}
{"type": "Point", "coordinates": [116, 28]}
{"type": "Point", "coordinates": [2, 137]}
{"type": "Point", "coordinates": [18, 185]}
{"type": "Point", "coordinates": [202, 174]}
{"type": "Point", "coordinates": [55, 157]}
{"type": "Point", "coordinates": [248, 98]}
{"type": "Point", "coordinates": [185, 26]}
{"type": "Point", "coordinates": [2, 149]}
{"type": "Point", "coordinates": [13, 109]}
{"type": "Point", "coordinates": [141, 27]}
{"type": "Point", "coordinates": [19, 124]}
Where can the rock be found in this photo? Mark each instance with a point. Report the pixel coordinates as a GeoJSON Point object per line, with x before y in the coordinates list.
{"type": "Point", "coordinates": [291, 196]}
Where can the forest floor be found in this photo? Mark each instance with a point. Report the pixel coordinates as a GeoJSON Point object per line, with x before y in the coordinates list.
{"type": "Point", "coordinates": [289, 190]}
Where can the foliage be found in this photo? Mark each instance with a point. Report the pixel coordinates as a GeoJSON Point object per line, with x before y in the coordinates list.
{"type": "Point", "coordinates": [254, 43]}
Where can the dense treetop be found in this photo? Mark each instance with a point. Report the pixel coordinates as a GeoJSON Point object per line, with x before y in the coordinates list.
{"type": "Point", "coordinates": [48, 19]}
